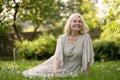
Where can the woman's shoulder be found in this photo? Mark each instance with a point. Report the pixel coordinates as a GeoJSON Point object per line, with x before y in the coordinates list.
{"type": "Point", "coordinates": [86, 35]}
{"type": "Point", "coordinates": [63, 36]}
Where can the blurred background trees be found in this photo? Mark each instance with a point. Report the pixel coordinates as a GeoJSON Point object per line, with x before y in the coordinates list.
{"type": "Point", "coordinates": [49, 16]}
{"type": "Point", "coordinates": [107, 46]}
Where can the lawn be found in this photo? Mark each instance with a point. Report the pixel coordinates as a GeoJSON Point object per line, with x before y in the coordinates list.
{"type": "Point", "coordinates": [11, 70]}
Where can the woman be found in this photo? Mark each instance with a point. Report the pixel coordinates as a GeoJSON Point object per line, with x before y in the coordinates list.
{"type": "Point", "coordinates": [74, 52]}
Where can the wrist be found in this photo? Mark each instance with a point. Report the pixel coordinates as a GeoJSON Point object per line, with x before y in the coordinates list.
{"type": "Point", "coordinates": [55, 71]}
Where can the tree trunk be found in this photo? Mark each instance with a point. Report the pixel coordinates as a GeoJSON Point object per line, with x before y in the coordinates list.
{"type": "Point", "coordinates": [14, 24]}
{"type": "Point", "coordinates": [35, 30]}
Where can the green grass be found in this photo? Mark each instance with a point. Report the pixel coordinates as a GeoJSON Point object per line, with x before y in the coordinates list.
{"type": "Point", "coordinates": [11, 70]}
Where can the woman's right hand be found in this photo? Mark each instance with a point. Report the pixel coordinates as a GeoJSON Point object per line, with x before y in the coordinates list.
{"type": "Point", "coordinates": [53, 74]}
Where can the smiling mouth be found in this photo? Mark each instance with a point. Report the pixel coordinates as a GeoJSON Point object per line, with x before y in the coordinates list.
{"type": "Point", "coordinates": [77, 26]}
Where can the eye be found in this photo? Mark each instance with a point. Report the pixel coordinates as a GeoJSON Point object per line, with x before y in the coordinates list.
{"type": "Point", "coordinates": [74, 20]}
{"type": "Point", "coordinates": [80, 21]}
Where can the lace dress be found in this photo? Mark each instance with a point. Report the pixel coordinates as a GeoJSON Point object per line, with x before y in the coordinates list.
{"type": "Point", "coordinates": [73, 58]}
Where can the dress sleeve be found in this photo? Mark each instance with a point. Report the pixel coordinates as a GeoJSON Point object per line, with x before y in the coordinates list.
{"type": "Point", "coordinates": [59, 50]}
{"type": "Point", "coordinates": [88, 53]}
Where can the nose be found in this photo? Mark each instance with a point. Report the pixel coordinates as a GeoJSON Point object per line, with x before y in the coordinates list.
{"type": "Point", "coordinates": [77, 22]}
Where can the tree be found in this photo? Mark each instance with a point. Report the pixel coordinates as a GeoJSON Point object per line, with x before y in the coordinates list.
{"type": "Point", "coordinates": [40, 12]}
{"type": "Point", "coordinates": [111, 26]}
{"type": "Point", "coordinates": [4, 27]}
{"type": "Point", "coordinates": [10, 8]}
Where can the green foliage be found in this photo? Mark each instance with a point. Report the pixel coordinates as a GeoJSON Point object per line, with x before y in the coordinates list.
{"type": "Point", "coordinates": [111, 32]}
{"type": "Point", "coordinates": [111, 27]}
{"type": "Point", "coordinates": [106, 50]}
{"type": "Point", "coordinates": [46, 13]}
{"type": "Point", "coordinates": [43, 47]}
{"type": "Point", "coordinates": [40, 12]}
{"type": "Point", "coordinates": [4, 28]}
{"type": "Point", "coordinates": [107, 47]}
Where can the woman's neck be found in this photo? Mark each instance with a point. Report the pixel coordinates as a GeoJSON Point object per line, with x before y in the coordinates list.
{"type": "Point", "coordinates": [74, 34]}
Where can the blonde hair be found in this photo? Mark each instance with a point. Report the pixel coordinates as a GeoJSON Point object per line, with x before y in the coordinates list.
{"type": "Point", "coordinates": [67, 28]}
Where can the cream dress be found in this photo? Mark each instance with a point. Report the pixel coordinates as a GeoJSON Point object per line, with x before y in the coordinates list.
{"type": "Point", "coordinates": [74, 58]}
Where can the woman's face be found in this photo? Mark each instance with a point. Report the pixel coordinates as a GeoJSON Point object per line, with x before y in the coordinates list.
{"type": "Point", "coordinates": [76, 23]}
